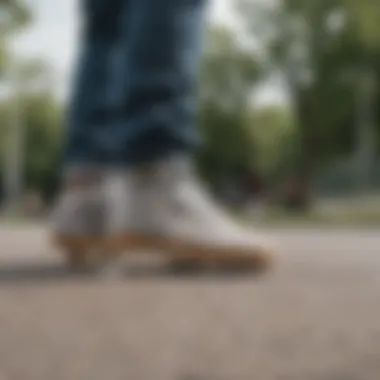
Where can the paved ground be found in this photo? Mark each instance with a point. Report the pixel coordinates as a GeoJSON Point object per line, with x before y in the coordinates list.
{"type": "Point", "coordinates": [316, 318]}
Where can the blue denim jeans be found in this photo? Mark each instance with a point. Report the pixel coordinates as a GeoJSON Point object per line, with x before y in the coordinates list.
{"type": "Point", "coordinates": [134, 98]}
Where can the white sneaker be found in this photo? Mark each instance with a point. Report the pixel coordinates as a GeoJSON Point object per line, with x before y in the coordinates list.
{"type": "Point", "coordinates": [78, 221]}
{"type": "Point", "coordinates": [170, 212]}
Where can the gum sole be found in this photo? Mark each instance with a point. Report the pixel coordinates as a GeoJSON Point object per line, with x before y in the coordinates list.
{"type": "Point", "coordinates": [258, 260]}
{"type": "Point", "coordinates": [78, 252]}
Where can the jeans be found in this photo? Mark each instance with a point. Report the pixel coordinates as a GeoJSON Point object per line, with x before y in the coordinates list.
{"type": "Point", "coordinates": [134, 91]}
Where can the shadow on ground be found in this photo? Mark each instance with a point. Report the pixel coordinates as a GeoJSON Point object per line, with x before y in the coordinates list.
{"type": "Point", "coordinates": [42, 272]}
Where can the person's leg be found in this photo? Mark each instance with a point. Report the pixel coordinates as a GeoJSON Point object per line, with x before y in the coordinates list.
{"type": "Point", "coordinates": [165, 207]}
{"type": "Point", "coordinates": [91, 113]}
{"type": "Point", "coordinates": [79, 218]}
{"type": "Point", "coordinates": [161, 51]}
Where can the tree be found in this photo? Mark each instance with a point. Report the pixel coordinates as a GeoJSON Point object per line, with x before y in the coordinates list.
{"type": "Point", "coordinates": [14, 15]}
{"type": "Point", "coordinates": [321, 48]}
{"type": "Point", "coordinates": [228, 76]}
{"type": "Point", "coordinates": [273, 132]}
{"type": "Point", "coordinates": [43, 137]}
{"type": "Point", "coordinates": [40, 115]}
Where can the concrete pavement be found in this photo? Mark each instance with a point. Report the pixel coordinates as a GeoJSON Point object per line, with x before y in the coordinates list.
{"type": "Point", "coordinates": [317, 317]}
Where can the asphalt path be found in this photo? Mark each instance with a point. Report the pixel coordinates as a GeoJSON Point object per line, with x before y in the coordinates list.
{"type": "Point", "coordinates": [316, 317]}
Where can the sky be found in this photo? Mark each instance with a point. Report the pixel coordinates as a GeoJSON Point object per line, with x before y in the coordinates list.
{"type": "Point", "coordinates": [53, 37]}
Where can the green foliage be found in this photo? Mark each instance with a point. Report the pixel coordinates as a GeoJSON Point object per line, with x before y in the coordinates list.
{"type": "Point", "coordinates": [14, 15]}
{"type": "Point", "coordinates": [274, 132]}
{"type": "Point", "coordinates": [39, 115]}
{"type": "Point", "coordinates": [322, 47]}
{"type": "Point", "coordinates": [228, 76]}
{"type": "Point", "coordinates": [43, 119]}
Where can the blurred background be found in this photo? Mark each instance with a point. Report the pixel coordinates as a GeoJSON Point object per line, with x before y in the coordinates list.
{"type": "Point", "coordinates": [289, 106]}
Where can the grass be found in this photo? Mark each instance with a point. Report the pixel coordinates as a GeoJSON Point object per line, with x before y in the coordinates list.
{"type": "Point", "coordinates": [352, 216]}
{"type": "Point", "coordinates": [334, 214]}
